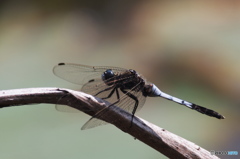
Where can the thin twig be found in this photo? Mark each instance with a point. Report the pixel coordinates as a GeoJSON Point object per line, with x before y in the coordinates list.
{"type": "Point", "coordinates": [160, 139]}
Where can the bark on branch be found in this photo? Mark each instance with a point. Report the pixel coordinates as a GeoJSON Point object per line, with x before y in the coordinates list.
{"type": "Point", "coordinates": [158, 138]}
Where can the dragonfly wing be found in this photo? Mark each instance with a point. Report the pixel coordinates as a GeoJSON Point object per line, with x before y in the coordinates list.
{"type": "Point", "coordinates": [81, 74]}
{"type": "Point", "coordinates": [93, 122]}
{"type": "Point", "coordinates": [94, 86]}
{"type": "Point", "coordinates": [77, 74]}
{"type": "Point", "coordinates": [90, 78]}
{"type": "Point", "coordinates": [91, 87]}
{"type": "Point", "coordinates": [65, 108]}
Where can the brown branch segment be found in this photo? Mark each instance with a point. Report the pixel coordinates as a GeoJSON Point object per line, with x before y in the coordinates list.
{"type": "Point", "coordinates": [161, 140]}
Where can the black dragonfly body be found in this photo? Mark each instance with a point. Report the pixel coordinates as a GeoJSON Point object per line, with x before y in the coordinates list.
{"type": "Point", "coordinates": [124, 88]}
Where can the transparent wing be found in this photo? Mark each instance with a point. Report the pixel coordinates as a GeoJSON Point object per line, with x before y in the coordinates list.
{"type": "Point", "coordinates": [81, 74]}
{"type": "Point", "coordinates": [125, 103]}
{"type": "Point", "coordinates": [90, 78]}
{"type": "Point", "coordinates": [92, 123]}
{"type": "Point", "coordinates": [65, 108]}
{"type": "Point", "coordinates": [93, 87]}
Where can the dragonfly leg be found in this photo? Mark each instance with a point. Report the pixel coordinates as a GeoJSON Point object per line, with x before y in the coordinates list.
{"type": "Point", "coordinates": [105, 90]}
{"type": "Point", "coordinates": [118, 96]}
{"type": "Point", "coordinates": [104, 109]}
{"type": "Point", "coordinates": [90, 124]}
{"type": "Point", "coordinates": [136, 103]}
{"type": "Point", "coordinates": [111, 93]}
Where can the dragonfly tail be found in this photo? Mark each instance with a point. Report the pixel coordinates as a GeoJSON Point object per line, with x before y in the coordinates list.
{"type": "Point", "coordinates": [193, 106]}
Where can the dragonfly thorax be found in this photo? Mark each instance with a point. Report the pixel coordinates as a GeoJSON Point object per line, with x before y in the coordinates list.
{"type": "Point", "coordinates": [131, 80]}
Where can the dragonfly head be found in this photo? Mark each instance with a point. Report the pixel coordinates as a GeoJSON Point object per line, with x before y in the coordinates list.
{"type": "Point", "coordinates": [107, 74]}
{"type": "Point", "coordinates": [151, 90]}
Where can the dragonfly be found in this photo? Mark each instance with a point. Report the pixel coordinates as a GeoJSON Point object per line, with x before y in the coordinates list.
{"type": "Point", "coordinates": [122, 87]}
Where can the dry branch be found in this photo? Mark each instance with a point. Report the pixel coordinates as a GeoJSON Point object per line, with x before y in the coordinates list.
{"type": "Point", "coordinates": [160, 139]}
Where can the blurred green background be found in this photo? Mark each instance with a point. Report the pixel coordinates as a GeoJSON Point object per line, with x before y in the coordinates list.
{"type": "Point", "coordinates": [189, 49]}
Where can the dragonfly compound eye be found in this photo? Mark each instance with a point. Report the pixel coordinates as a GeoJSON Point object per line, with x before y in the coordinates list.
{"type": "Point", "coordinates": [132, 71]}
{"type": "Point", "coordinates": [107, 74]}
